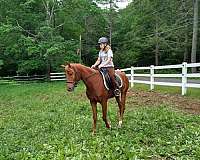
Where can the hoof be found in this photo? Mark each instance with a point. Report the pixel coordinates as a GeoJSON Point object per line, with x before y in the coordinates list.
{"type": "Point", "coordinates": [120, 124]}
{"type": "Point", "coordinates": [108, 125]}
{"type": "Point", "coordinates": [93, 133]}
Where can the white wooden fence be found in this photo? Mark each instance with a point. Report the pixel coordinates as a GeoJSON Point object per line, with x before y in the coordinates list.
{"type": "Point", "coordinates": [184, 75]}
{"type": "Point", "coordinates": [57, 76]}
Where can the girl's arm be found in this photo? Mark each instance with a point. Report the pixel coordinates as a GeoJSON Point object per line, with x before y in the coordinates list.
{"type": "Point", "coordinates": [108, 61]}
{"type": "Point", "coordinates": [96, 63]}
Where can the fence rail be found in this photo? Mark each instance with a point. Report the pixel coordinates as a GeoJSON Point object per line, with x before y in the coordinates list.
{"type": "Point", "coordinates": [24, 78]}
{"type": "Point", "coordinates": [184, 75]}
{"type": "Point", "coordinates": [30, 78]}
{"type": "Point", "coordinates": [57, 76]}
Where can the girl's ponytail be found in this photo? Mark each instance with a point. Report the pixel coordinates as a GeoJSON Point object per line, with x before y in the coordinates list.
{"type": "Point", "coordinates": [107, 48]}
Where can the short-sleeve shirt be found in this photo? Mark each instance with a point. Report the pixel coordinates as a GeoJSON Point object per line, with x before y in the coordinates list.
{"type": "Point", "coordinates": [104, 57]}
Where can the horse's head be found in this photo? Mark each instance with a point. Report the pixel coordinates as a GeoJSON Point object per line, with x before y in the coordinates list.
{"type": "Point", "coordinates": [71, 77]}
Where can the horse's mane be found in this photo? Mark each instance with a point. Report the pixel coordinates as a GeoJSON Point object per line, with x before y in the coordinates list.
{"type": "Point", "coordinates": [79, 65]}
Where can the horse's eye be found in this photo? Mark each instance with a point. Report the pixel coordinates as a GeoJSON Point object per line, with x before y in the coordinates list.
{"type": "Point", "coordinates": [69, 73]}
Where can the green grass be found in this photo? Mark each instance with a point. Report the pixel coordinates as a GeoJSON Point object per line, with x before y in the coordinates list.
{"type": "Point", "coordinates": [191, 92]}
{"type": "Point", "coordinates": [43, 121]}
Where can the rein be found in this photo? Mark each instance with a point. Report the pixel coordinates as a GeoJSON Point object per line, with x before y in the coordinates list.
{"type": "Point", "coordinates": [76, 82]}
{"type": "Point", "coordinates": [90, 76]}
{"type": "Point", "coordinates": [70, 82]}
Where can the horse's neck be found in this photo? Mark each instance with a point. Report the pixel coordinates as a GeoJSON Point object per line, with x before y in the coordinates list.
{"type": "Point", "coordinates": [89, 78]}
{"type": "Point", "coordinates": [84, 71]}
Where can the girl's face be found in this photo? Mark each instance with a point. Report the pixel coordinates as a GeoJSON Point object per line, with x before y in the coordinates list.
{"type": "Point", "coordinates": [102, 45]}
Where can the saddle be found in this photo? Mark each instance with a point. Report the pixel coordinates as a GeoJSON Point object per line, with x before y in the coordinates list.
{"type": "Point", "coordinates": [107, 80]}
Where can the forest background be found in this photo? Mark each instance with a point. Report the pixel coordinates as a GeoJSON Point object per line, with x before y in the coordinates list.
{"type": "Point", "coordinates": [37, 36]}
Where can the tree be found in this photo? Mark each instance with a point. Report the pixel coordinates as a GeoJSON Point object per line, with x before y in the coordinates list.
{"type": "Point", "coordinates": [156, 32]}
{"type": "Point", "coordinates": [195, 31]}
{"type": "Point", "coordinates": [34, 33]}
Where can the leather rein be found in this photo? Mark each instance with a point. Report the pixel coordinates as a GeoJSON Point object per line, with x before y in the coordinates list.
{"type": "Point", "coordinates": [76, 81]}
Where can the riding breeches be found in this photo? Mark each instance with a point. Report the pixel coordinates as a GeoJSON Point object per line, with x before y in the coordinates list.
{"type": "Point", "coordinates": [111, 72]}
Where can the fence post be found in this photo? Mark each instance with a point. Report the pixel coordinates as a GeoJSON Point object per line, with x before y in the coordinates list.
{"type": "Point", "coordinates": [132, 76]}
{"type": "Point", "coordinates": [184, 78]}
{"type": "Point", "coordinates": [152, 77]}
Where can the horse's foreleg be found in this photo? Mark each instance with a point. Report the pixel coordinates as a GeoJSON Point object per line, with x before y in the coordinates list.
{"type": "Point", "coordinates": [104, 111]}
{"type": "Point", "coordinates": [94, 111]}
{"type": "Point", "coordinates": [123, 102]}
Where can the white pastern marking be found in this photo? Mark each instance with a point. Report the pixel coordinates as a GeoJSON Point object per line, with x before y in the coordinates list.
{"type": "Point", "coordinates": [120, 123]}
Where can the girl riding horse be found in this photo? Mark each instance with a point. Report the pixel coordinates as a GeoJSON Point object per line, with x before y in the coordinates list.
{"type": "Point", "coordinates": [105, 61]}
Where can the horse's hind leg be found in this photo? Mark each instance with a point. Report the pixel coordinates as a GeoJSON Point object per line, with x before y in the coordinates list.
{"type": "Point", "coordinates": [119, 111]}
{"type": "Point", "coordinates": [104, 111]}
{"type": "Point", "coordinates": [121, 104]}
{"type": "Point", "coordinates": [94, 111]}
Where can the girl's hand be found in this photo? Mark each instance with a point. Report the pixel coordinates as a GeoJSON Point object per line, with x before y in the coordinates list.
{"type": "Point", "coordinates": [93, 66]}
{"type": "Point", "coordinates": [100, 66]}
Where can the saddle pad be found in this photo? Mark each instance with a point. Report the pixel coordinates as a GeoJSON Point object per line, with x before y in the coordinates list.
{"type": "Point", "coordinates": [107, 81]}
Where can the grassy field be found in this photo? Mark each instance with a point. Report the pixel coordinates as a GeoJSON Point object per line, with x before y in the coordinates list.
{"type": "Point", "coordinates": [191, 92]}
{"type": "Point", "coordinates": [43, 121]}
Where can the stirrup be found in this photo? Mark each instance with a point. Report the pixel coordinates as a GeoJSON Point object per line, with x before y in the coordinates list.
{"type": "Point", "coordinates": [117, 92]}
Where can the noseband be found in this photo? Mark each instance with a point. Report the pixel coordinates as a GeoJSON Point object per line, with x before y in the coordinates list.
{"type": "Point", "coordinates": [72, 82]}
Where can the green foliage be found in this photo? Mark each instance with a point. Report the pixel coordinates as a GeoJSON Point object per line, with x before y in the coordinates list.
{"type": "Point", "coordinates": [1, 63]}
{"type": "Point", "coordinates": [50, 30]}
{"type": "Point", "coordinates": [126, 58]}
{"type": "Point", "coordinates": [145, 24]}
{"type": "Point", "coordinates": [31, 67]}
{"type": "Point", "coordinates": [47, 32]}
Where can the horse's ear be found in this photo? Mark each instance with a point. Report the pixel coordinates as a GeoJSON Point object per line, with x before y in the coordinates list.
{"type": "Point", "coordinates": [67, 64]}
{"type": "Point", "coordinates": [62, 66]}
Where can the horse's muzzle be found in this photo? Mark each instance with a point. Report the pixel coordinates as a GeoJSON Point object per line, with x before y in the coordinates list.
{"type": "Point", "coordinates": [70, 89]}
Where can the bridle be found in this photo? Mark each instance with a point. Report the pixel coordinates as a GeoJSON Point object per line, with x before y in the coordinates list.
{"type": "Point", "coordinates": [74, 83]}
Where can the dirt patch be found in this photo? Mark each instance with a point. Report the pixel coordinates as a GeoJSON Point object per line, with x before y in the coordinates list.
{"type": "Point", "coordinates": [149, 98]}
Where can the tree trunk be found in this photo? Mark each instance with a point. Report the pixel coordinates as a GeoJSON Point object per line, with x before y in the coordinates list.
{"type": "Point", "coordinates": [194, 39]}
{"type": "Point", "coordinates": [47, 14]}
{"type": "Point", "coordinates": [110, 25]}
{"type": "Point", "coordinates": [157, 54]}
{"type": "Point", "coordinates": [185, 59]}
{"type": "Point", "coordinates": [50, 11]}
{"type": "Point", "coordinates": [185, 15]}
{"type": "Point", "coordinates": [86, 49]}
{"type": "Point", "coordinates": [157, 44]}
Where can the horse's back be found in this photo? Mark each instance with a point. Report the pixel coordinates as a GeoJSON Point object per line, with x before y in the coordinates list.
{"type": "Point", "coordinates": [122, 75]}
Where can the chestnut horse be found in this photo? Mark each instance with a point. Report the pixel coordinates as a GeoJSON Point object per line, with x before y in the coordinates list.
{"type": "Point", "coordinates": [95, 90]}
